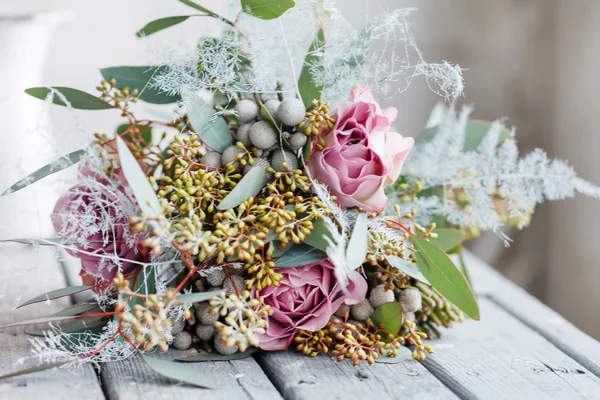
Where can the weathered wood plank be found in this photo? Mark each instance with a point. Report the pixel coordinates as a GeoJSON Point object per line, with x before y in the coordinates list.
{"type": "Point", "coordinates": [302, 378]}
{"type": "Point", "coordinates": [531, 312]}
{"type": "Point", "coordinates": [500, 358]}
{"type": "Point", "coordinates": [28, 273]}
{"type": "Point", "coordinates": [240, 379]}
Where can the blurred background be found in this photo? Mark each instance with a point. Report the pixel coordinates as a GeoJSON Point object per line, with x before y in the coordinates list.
{"type": "Point", "coordinates": [533, 62]}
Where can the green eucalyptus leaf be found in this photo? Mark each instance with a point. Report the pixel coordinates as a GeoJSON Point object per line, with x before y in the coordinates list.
{"type": "Point", "coordinates": [300, 255]}
{"type": "Point", "coordinates": [32, 370]}
{"type": "Point", "coordinates": [316, 238]}
{"type": "Point", "coordinates": [211, 127]}
{"type": "Point", "coordinates": [307, 151]}
{"type": "Point", "coordinates": [204, 10]}
{"type": "Point", "coordinates": [159, 24]}
{"type": "Point", "coordinates": [266, 9]}
{"type": "Point", "coordinates": [249, 186]}
{"type": "Point", "coordinates": [437, 267]}
{"type": "Point", "coordinates": [76, 98]}
{"type": "Point", "coordinates": [390, 316]}
{"type": "Point", "coordinates": [55, 294]}
{"type": "Point", "coordinates": [77, 308]}
{"type": "Point", "coordinates": [402, 354]}
{"type": "Point", "coordinates": [476, 131]}
{"type": "Point", "coordinates": [448, 239]}
{"type": "Point", "coordinates": [79, 325]}
{"type": "Point", "coordinates": [49, 169]}
{"type": "Point", "coordinates": [140, 78]}
{"type": "Point", "coordinates": [144, 284]}
{"type": "Point", "coordinates": [197, 297]}
{"type": "Point", "coordinates": [308, 89]}
{"type": "Point", "coordinates": [179, 372]}
{"type": "Point", "coordinates": [217, 357]}
{"type": "Point", "coordinates": [42, 320]}
{"type": "Point", "coordinates": [407, 268]}
{"type": "Point", "coordinates": [138, 181]}
{"type": "Point", "coordinates": [357, 249]}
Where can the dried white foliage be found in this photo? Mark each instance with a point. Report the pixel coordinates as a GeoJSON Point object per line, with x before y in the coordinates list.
{"type": "Point", "coordinates": [491, 173]}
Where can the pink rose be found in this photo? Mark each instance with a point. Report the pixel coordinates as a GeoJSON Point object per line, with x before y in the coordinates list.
{"type": "Point", "coordinates": [361, 155]}
{"type": "Point", "coordinates": [96, 213]}
{"type": "Point", "coordinates": [305, 299]}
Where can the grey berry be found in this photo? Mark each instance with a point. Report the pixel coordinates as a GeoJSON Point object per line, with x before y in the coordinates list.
{"type": "Point", "coordinates": [410, 299]}
{"type": "Point", "coordinates": [247, 110]}
{"type": "Point", "coordinates": [263, 135]}
{"type": "Point", "coordinates": [203, 315]}
{"type": "Point", "coordinates": [297, 140]}
{"type": "Point", "coordinates": [271, 106]}
{"type": "Point", "coordinates": [380, 296]}
{"type": "Point", "coordinates": [205, 332]}
{"type": "Point", "coordinates": [240, 284]}
{"type": "Point", "coordinates": [182, 341]}
{"type": "Point", "coordinates": [177, 325]}
{"type": "Point", "coordinates": [215, 277]}
{"type": "Point", "coordinates": [344, 308]}
{"type": "Point", "coordinates": [283, 156]}
{"type": "Point", "coordinates": [211, 159]}
{"type": "Point", "coordinates": [222, 348]}
{"type": "Point", "coordinates": [243, 134]}
{"type": "Point", "coordinates": [409, 316]}
{"type": "Point", "coordinates": [291, 112]}
{"type": "Point", "coordinates": [230, 155]}
{"type": "Point", "coordinates": [362, 310]}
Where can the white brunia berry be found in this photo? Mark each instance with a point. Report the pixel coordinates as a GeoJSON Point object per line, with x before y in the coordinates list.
{"type": "Point", "coordinates": [291, 112]}
{"type": "Point", "coordinates": [380, 296]}
{"type": "Point", "coordinates": [344, 308]}
{"type": "Point", "coordinates": [215, 277]}
{"type": "Point", "coordinates": [205, 332]}
{"type": "Point", "coordinates": [230, 155]}
{"type": "Point", "coordinates": [177, 325]}
{"type": "Point", "coordinates": [410, 316]}
{"type": "Point", "coordinates": [271, 106]}
{"type": "Point", "coordinates": [297, 140]}
{"type": "Point", "coordinates": [182, 341]}
{"type": "Point", "coordinates": [362, 310]}
{"type": "Point", "coordinates": [211, 159]}
{"type": "Point", "coordinates": [283, 156]}
{"type": "Point", "coordinates": [222, 348]}
{"type": "Point", "coordinates": [240, 284]}
{"type": "Point", "coordinates": [263, 135]}
{"type": "Point", "coordinates": [243, 134]}
{"type": "Point", "coordinates": [203, 316]}
{"type": "Point", "coordinates": [410, 299]}
{"type": "Point", "coordinates": [247, 110]}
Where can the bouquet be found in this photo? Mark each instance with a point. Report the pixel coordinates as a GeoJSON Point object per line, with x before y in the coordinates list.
{"type": "Point", "coordinates": [277, 207]}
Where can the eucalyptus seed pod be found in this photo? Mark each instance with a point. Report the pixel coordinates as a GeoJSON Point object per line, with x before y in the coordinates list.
{"type": "Point", "coordinates": [203, 316]}
{"type": "Point", "coordinates": [297, 140]}
{"type": "Point", "coordinates": [410, 299]}
{"type": "Point", "coordinates": [362, 310]}
{"type": "Point", "coordinates": [240, 284]}
{"type": "Point", "coordinates": [230, 155]}
{"type": "Point", "coordinates": [271, 106]}
{"type": "Point", "coordinates": [211, 159]}
{"type": "Point", "coordinates": [263, 135]}
{"type": "Point", "coordinates": [222, 348]}
{"type": "Point", "coordinates": [283, 156]}
{"type": "Point", "coordinates": [291, 112]}
{"type": "Point", "coordinates": [205, 332]}
{"type": "Point", "coordinates": [243, 134]}
{"type": "Point", "coordinates": [247, 110]}
{"type": "Point", "coordinates": [380, 296]}
{"type": "Point", "coordinates": [182, 341]}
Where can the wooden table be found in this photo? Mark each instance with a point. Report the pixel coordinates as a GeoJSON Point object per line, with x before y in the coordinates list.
{"type": "Point", "coordinates": [519, 350]}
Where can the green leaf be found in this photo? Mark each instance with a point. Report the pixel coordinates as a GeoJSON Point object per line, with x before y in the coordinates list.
{"type": "Point", "coordinates": [179, 372]}
{"type": "Point", "coordinates": [55, 294]}
{"type": "Point", "coordinates": [269, 117]}
{"type": "Point", "coordinates": [448, 239]}
{"type": "Point", "coordinates": [145, 284]}
{"type": "Point", "coordinates": [76, 98]}
{"type": "Point", "coordinates": [477, 130]}
{"type": "Point", "coordinates": [34, 321]}
{"type": "Point", "coordinates": [159, 24]}
{"type": "Point", "coordinates": [138, 181]}
{"type": "Point", "coordinates": [205, 10]}
{"type": "Point", "coordinates": [306, 151]}
{"type": "Point", "coordinates": [211, 127]}
{"type": "Point", "coordinates": [217, 357]}
{"type": "Point", "coordinates": [32, 370]}
{"type": "Point", "coordinates": [197, 297]}
{"type": "Point", "coordinates": [55, 166]}
{"type": "Point", "coordinates": [444, 276]}
{"type": "Point", "coordinates": [75, 309]}
{"type": "Point", "coordinates": [266, 9]}
{"type": "Point", "coordinates": [316, 238]}
{"type": "Point", "coordinates": [300, 255]}
{"type": "Point", "coordinates": [402, 354]}
{"type": "Point", "coordinates": [308, 89]}
{"type": "Point", "coordinates": [357, 249]}
{"type": "Point", "coordinates": [407, 267]}
{"type": "Point", "coordinates": [79, 325]}
{"type": "Point", "coordinates": [140, 78]}
{"type": "Point", "coordinates": [248, 186]}
{"type": "Point", "coordinates": [390, 316]}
